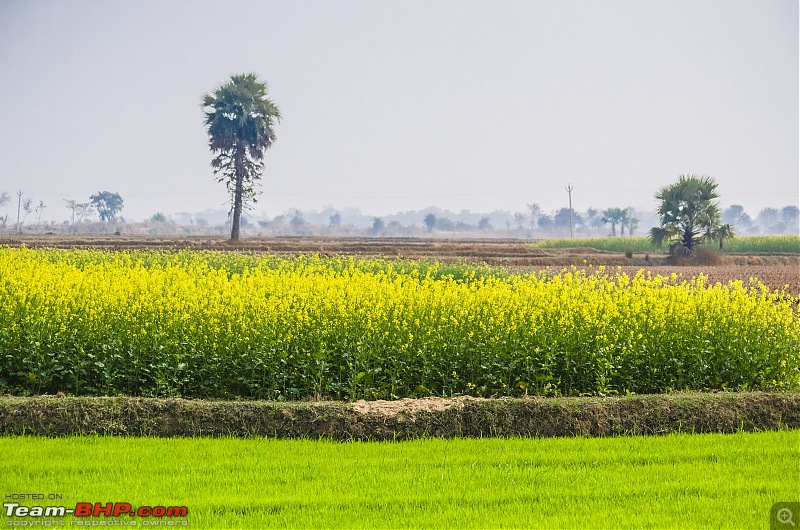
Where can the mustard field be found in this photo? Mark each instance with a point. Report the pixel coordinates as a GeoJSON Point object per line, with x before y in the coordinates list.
{"type": "Point", "coordinates": [226, 325]}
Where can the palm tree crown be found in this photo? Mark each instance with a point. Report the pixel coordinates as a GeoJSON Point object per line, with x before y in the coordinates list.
{"type": "Point", "coordinates": [688, 213]}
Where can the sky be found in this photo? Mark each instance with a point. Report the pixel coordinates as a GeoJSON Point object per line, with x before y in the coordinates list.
{"type": "Point", "coordinates": [393, 105]}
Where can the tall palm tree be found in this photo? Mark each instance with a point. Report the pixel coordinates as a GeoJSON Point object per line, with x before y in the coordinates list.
{"type": "Point", "coordinates": [688, 213]}
{"type": "Point", "coordinates": [240, 119]}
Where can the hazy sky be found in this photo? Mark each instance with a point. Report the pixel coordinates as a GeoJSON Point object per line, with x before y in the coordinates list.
{"type": "Point", "coordinates": [396, 105]}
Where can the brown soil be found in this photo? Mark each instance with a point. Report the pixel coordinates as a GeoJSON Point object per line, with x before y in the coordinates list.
{"type": "Point", "coordinates": [409, 407]}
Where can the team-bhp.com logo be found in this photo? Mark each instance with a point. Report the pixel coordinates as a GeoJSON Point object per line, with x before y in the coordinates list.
{"type": "Point", "coordinates": [93, 510]}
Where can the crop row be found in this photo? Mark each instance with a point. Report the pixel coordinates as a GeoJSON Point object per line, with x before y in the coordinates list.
{"type": "Point", "coordinates": [228, 325]}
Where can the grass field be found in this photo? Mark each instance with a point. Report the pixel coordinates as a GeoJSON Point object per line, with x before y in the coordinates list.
{"type": "Point", "coordinates": [641, 244]}
{"type": "Point", "coordinates": [688, 481]}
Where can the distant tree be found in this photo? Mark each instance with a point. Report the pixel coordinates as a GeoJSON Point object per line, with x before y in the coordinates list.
{"type": "Point", "coordinates": [240, 120]}
{"type": "Point", "coordinates": [72, 205]}
{"type": "Point", "coordinates": [733, 213]}
{"type": "Point", "coordinates": [595, 218]}
{"type": "Point", "coordinates": [770, 220]}
{"type": "Point", "coordinates": [591, 217]}
{"type": "Point", "coordinates": [484, 223]}
{"type": "Point", "coordinates": [445, 224]}
{"type": "Point", "coordinates": [534, 212]}
{"type": "Point", "coordinates": [561, 218]}
{"type": "Point", "coordinates": [736, 216]}
{"type": "Point", "coordinates": [335, 219]}
{"type": "Point", "coordinates": [158, 217]}
{"type": "Point", "coordinates": [107, 204]}
{"type": "Point", "coordinates": [84, 210]}
{"type": "Point", "coordinates": [80, 210]}
{"type": "Point", "coordinates": [377, 225]}
{"type": "Point", "coordinates": [790, 215]}
{"type": "Point", "coordinates": [688, 211]}
{"type": "Point", "coordinates": [27, 207]}
{"type": "Point", "coordinates": [614, 216]}
{"type": "Point", "coordinates": [395, 227]}
{"type": "Point", "coordinates": [545, 222]}
{"type": "Point", "coordinates": [297, 220]}
{"type": "Point", "coordinates": [39, 209]}
{"type": "Point", "coordinates": [429, 222]}
{"type": "Point", "coordinates": [4, 198]}
{"type": "Point", "coordinates": [519, 220]}
{"type": "Point", "coordinates": [629, 221]}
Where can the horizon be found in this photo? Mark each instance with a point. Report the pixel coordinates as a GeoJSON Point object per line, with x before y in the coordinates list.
{"type": "Point", "coordinates": [211, 220]}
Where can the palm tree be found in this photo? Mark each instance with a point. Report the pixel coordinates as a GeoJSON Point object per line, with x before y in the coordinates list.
{"type": "Point", "coordinates": [614, 216]}
{"type": "Point", "coordinates": [721, 233]}
{"type": "Point", "coordinates": [240, 119]}
{"type": "Point", "coordinates": [688, 213]}
{"type": "Point", "coordinates": [630, 220]}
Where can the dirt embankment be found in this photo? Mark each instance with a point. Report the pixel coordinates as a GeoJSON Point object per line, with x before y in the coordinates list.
{"type": "Point", "coordinates": [403, 419]}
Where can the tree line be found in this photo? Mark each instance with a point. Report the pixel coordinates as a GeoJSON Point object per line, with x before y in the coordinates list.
{"type": "Point", "coordinates": [105, 203]}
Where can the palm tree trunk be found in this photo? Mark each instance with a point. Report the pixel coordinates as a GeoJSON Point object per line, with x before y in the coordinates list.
{"type": "Point", "coordinates": [688, 237]}
{"type": "Point", "coordinates": [237, 194]}
{"type": "Point", "coordinates": [237, 209]}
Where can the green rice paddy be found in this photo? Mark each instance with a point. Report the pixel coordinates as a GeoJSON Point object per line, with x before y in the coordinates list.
{"type": "Point", "coordinates": [676, 481]}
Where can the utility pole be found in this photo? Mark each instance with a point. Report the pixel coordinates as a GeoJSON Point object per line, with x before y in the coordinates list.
{"type": "Point", "coordinates": [569, 191]}
{"type": "Point", "coordinates": [19, 206]}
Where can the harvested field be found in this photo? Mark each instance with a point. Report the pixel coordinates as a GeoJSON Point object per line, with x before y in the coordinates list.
{"type": "Point", "coordinates": [510, 252]}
